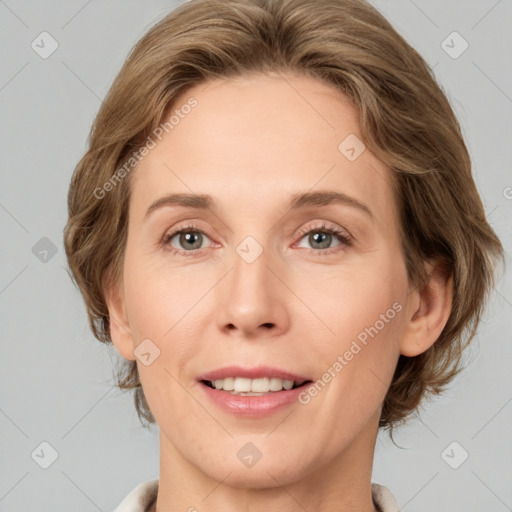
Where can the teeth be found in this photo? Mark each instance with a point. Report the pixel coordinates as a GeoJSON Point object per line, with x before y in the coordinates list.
{"type": "Point", "coordinates": [244, 385]}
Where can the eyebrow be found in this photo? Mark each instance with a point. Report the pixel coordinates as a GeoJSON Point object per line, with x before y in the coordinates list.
{"type": "Point", "coordinates": [297, 201]}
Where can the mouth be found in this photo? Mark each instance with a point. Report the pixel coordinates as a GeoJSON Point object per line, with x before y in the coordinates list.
{"type": "Point", "coordinates": [252, 392]}
{"type": "Point", "coordinates": [244, 386]}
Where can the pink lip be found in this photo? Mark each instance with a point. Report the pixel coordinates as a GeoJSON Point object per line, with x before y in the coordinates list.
{"type": "Point", "coordinates": [251, 373]}
{"type": "Point", "coordinates": [252, 406]}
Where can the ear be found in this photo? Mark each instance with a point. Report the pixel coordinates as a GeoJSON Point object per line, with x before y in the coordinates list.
{"type": "Point", "coordinates": [428, 311]}
{"type": "Point", "coordinates": [119, 326]}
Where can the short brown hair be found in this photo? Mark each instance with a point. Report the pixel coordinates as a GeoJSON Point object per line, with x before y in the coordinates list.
{"type": "Point", "coordinates": [405, 120]}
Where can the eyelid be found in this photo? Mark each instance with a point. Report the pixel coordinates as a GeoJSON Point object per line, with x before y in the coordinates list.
{"type": "Point", "coordinates": [187, 226]}
{"type": "Point", "coordinates": [342, 234]}
{"type": "Point", "coordinates": [325, 225]}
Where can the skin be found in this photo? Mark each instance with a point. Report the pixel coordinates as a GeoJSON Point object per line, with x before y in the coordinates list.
{"type": "Point", "coordinates": [251, 143]}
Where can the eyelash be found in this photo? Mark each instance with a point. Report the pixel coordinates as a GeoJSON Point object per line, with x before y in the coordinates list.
{"type": "Point", "coordinates": [343, 236]}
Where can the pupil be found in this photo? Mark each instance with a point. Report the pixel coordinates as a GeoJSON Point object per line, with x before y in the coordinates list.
{"type": "Point", "coordinates": [326, 237]}
{"type": "Point", "coordinates": [323, 239]}
{"type": "Point", "coordinates": [189, 238]}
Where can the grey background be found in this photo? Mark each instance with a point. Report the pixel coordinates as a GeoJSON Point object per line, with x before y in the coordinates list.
{"type": "Point", "coordinates": [56, 379]}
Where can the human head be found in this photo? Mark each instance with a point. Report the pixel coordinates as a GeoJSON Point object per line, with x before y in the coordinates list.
{"type": "Point", "coordinates": [405, 121]}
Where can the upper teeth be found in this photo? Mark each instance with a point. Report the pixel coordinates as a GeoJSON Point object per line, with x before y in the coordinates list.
{"type": "Point", "coordinates": [262, 385]}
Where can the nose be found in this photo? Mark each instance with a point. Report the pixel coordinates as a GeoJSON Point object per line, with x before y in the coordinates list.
{"type": "Point", "coordinates": [251, 299]}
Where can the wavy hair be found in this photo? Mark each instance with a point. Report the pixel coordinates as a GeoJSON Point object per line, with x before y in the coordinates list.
{"type": "Point", "coordinates": [405, 120]}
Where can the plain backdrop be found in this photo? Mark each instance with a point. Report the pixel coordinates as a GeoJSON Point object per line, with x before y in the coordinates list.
{"type": "Point", "coordinates": [58, 406]}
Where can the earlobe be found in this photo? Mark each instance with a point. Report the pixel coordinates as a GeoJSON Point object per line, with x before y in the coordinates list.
{"type": "Point", "coordinates": [429, 314]}
{"type": "Point", "coordinates": [119, 327]}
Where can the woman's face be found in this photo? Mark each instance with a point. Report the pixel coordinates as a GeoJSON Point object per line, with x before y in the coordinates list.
{"type": "Point", "coordinates": [292, 270]}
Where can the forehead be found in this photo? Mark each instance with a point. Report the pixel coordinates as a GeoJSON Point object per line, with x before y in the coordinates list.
{"type": "Point", "coordinates": [254, 141]}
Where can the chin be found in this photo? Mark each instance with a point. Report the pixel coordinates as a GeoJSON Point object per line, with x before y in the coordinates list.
{"type": "Point", "coordinates": [264, 476]}
{"type": "Point", "coordinates": [273, 469]}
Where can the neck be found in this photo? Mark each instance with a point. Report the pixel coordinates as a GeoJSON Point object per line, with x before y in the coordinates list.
{"type": "Point", "coordinates": [341, 483]}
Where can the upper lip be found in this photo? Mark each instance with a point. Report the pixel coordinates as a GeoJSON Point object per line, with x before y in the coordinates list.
{"type": "Point", "coordinates": [252, 373]}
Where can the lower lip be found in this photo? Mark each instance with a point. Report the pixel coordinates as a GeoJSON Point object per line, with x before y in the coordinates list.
{"type": "Point", "coordinates": [252, 406]}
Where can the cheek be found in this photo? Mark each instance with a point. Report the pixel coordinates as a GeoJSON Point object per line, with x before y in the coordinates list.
{"type": "Point", "coordinates": [354, 372]}
{"type": "Point", "coordinates": [164, 306]}
{"type": "Point", "coordinates": [357, 298]}
{"type": "Point", "coordinates": [161, 306]}
{"type": "Point", "coordinates": [154, 295]}
{"type": "Point", "coordinates": [364, 311]}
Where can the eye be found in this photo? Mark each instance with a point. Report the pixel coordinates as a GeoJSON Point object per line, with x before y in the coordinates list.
{"type": "Point", "coordinates": [188, 237]}
{"type": "Point", "coordinates": [321, 237]}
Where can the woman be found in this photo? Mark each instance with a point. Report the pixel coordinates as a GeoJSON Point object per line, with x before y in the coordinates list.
{"type": "Point", "coordinates": [277, 227]}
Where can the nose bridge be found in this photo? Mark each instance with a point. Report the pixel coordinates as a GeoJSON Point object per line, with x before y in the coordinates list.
{"type": "Point", "coordinates": [251, 294]}
{"type": "Point", "coordinates": [252, 252]}
{"type": "Point", "coordinates": [251, 276]}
